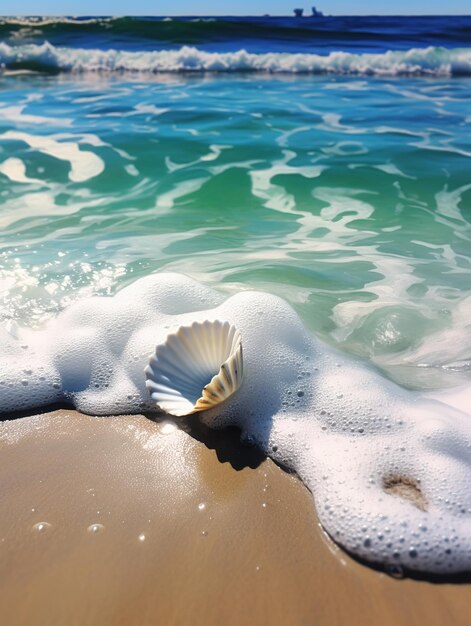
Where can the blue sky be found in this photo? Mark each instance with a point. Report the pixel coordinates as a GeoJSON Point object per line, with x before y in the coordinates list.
{"type": "Point", "coordinates": [234, 7]}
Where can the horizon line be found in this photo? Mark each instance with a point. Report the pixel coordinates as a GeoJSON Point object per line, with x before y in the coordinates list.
{"type": "Point", "coordinates": [189, 15]}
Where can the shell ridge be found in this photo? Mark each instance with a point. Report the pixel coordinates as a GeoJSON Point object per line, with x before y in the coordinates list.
{"type": "Point", "coordinates": [208, 344]}
{"type": "Point", "coordinates": [172, 368]}
{"type": "Point", "coordinates": [199, 345]}
{"type": "Point", "coordinates": [194, 351]}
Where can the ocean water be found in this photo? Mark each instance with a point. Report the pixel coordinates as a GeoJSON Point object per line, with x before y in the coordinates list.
{"type": "Point", "coordinates": [323, 161]}
{"type": "Point", "coordinates": [326, 161]}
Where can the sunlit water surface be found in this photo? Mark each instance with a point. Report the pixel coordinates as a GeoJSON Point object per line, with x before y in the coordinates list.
{"type": "Point", "coordinates": [349, 197]}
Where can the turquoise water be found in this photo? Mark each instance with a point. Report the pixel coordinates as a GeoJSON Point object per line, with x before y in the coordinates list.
{"type": "Point", "coordinates": [326, 162]}
{"type": "Point", "coordinates": [348, 196]}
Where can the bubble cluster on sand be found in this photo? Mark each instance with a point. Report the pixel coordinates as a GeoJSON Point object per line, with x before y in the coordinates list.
{"type": "Point", "coordinates": [390, 469]}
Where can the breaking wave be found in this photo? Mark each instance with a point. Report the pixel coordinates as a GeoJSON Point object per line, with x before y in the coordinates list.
{"type": "Point", "coordinates": [431, 61]}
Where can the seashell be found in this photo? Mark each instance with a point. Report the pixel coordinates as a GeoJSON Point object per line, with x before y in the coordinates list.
{"type": "Point", "coordinates": [197, 368]}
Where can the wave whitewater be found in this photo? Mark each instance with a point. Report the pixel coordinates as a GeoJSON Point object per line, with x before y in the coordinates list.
{"type": "Point", "coordinates": [431, 61]}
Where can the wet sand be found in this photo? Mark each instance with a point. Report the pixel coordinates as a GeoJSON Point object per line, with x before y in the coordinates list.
{"type": "Point", "coordinates": [122, 521]}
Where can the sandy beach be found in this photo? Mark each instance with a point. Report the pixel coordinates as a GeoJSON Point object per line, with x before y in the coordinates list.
{"type": "Point", "coordinates": [127, 521]}
{"type": "Point", "coordinates": [266, 218]}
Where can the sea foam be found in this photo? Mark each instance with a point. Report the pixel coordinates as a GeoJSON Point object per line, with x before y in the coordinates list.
{"type": "Point", "coordinates": [430, 61]}
{"type": "Point", "coordinates": [390, 469]}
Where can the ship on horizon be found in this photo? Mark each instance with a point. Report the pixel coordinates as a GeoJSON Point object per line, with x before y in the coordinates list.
{"type": "Point", "coordinates": [315, 13]}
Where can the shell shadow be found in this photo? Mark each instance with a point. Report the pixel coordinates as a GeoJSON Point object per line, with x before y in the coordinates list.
{"type": "Point", "coordinates": [225, 442]}
{"type": "Point", "coordinates": [227, 445]}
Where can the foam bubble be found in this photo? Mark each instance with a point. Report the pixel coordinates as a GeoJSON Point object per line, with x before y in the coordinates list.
{"type": "Point", "coordinates": [390, 468]}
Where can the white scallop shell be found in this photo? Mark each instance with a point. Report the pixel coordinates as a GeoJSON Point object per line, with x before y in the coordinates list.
{"type": "Point", "coordinates": [196, 368]}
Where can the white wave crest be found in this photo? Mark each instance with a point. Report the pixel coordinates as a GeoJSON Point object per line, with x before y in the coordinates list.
{"type": "Point", "coordinates": [44, 20]}
{"type": "Point", "coordinates": [414, 62]}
